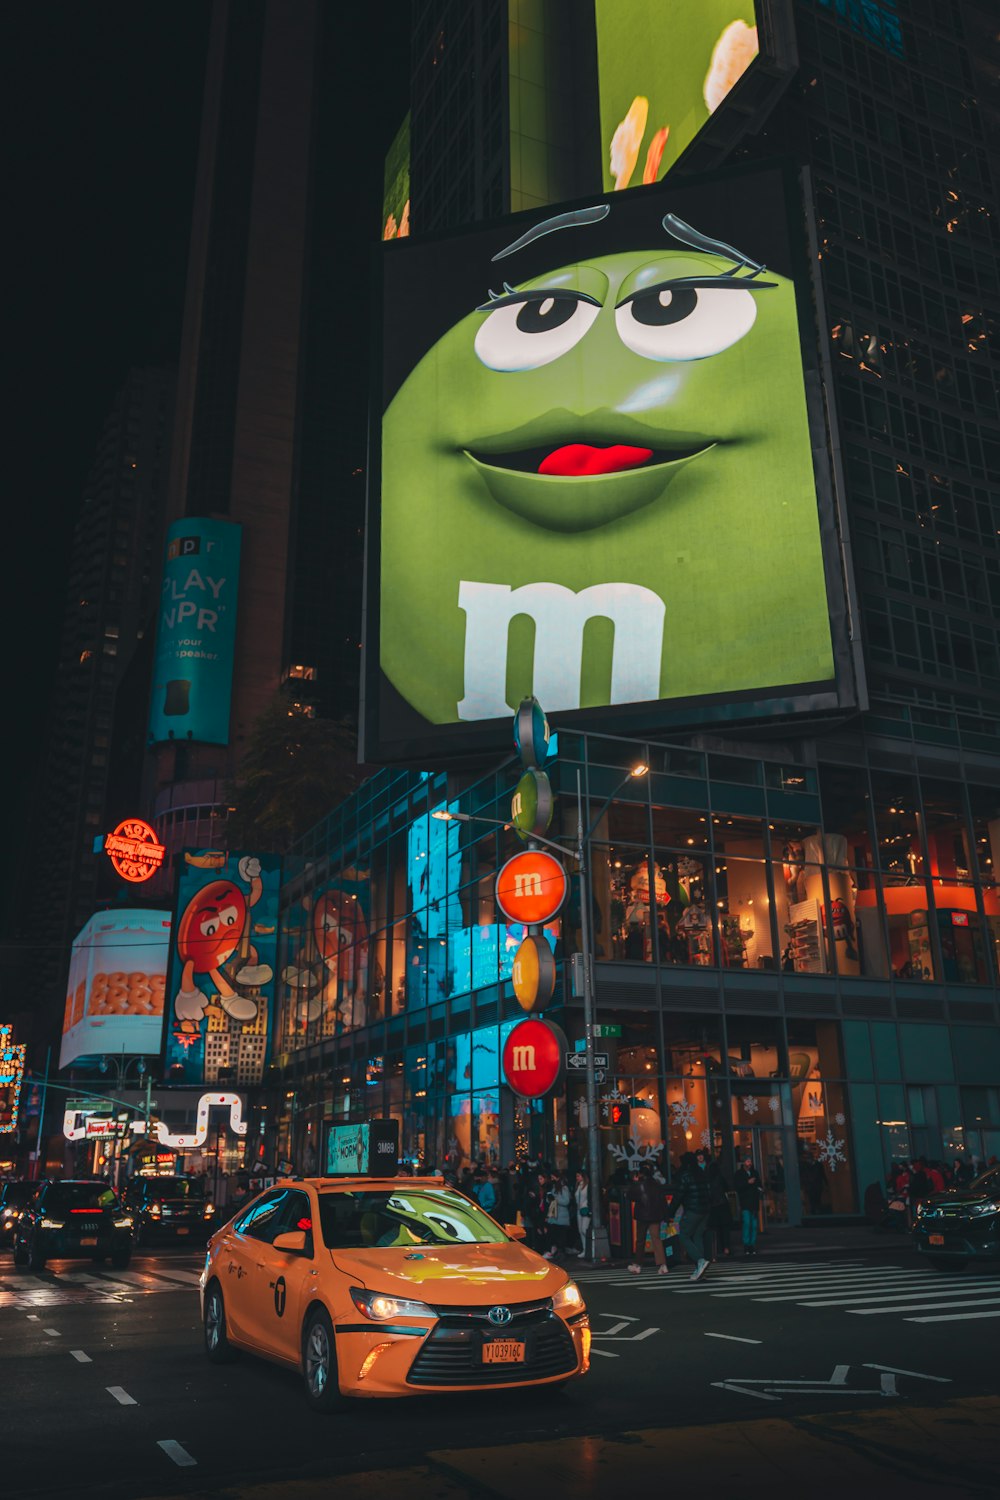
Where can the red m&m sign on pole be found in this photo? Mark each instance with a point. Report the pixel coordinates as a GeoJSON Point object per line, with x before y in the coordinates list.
{"type": "Point", "coordinates": [534, 1056]}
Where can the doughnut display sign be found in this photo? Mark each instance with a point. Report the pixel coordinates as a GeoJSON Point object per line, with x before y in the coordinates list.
{"type": "Point", "coordinates": [116, 988]}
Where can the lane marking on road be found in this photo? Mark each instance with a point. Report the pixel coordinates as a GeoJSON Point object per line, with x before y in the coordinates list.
{"type": "Point", "coordinates": [935, 1306]}
{"type": "Point", "coordinates": [33, 1318]}
{"type": "Point", "coordinates": [191, 1277]}
{"type": "Point", "coordinates": [913, 1374]}
{"type": "Point", "coordinates": [179, 1455]}
{"type": "Point", "coordinates": [742, 1390]}
{"type": "Point", "coordinates": [122, 1397]}
{"type": "Point", "coordinates": [954, 1317]}
{"type": "Point", "coordinates": [80, 1357]}
{"type": "Point", "coordinates": [53, 1333]}
{"type": "Point", "coordinates": [604, 1353]}
{"type": "Point", "coordinates": [733, 1339]}
{"type": "Point", "coordinates": [835, 1386]}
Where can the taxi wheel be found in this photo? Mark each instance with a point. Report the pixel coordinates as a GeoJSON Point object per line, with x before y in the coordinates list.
{"type": "Point", "coordinates": [217, 1345]}
{"type": "Point", "coordinates": [319, 1363]}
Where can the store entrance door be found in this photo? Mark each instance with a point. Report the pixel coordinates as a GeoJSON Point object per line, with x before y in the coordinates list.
{"type": "Point", "coordinates": [772, 1150]}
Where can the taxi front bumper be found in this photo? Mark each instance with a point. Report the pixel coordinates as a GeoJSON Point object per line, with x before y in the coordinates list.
{"type": "Point", "coordinates": [400, 1359]}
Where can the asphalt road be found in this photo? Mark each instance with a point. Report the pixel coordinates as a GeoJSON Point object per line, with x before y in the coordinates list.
{"type": "Point", "coordinates": [106, 1390]}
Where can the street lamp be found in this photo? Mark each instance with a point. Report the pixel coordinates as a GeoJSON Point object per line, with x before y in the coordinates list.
{"type": "Point", "coordinates": [600, 1244]}
{"type": "Point", "coordinates": [121, 1067]}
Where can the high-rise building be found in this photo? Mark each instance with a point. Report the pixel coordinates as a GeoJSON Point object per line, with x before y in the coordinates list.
{"type": "Point", "coordinates": [108, 608]}
{"type": "Point", "coordinates": [797, 924]}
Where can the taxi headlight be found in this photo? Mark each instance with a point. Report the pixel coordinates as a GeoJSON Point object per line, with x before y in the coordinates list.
{"type": "Point", "coordinates": [382, 1309]}
{"type": "Point", "coordinates": [569, 1298]}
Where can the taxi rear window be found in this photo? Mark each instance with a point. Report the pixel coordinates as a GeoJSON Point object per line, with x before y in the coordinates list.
{"type": "Point", "coordinates": [403, 1218]}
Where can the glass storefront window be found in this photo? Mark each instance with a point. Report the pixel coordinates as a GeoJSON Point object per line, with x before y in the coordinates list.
{"type": "Point", "coordinates": [847, 813]}
{"type": "Point", "coordinates": [684, 928]}
{"type": "Point", "coordinates": [897, 819]}
{"type": "Point", "coordinates": [962, 939]}
{"type": "Point", "coordinates": [629, 897]}
{"type": "Point", "coordinates": [746, 939]}
{"type": "Point", "coordinates": [800, 896]}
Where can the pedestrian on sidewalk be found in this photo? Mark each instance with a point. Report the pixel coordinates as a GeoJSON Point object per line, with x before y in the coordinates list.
{"type": "Point", "coordinates": [749, 1191]}
{"type": "Point", "coordinates": [648, 1202]}
{"type": "Point", "coordinates": [691, 1207]}
{"type": "Point", "coordinates": [581, 1200]}
{"type": "Point", "coordinates": [557, 1217]}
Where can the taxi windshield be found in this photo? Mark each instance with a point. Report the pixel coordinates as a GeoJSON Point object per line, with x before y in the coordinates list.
{"type": "Point", "coordinates": [402, 1218]}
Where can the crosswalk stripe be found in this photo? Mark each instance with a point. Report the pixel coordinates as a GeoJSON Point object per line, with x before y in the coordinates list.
{"type": "Point", "coordinates": [928, 1306]}
{"type": "Point", "coordinates": [915, 1289]}
{"type": "Point", "coordinates": [955, 1317]}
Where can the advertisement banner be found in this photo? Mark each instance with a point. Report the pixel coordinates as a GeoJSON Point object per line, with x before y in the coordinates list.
{"type": "Point", "coordinates": [196, 633]}
{"type": "Point", "coordinates": [595, 477]}
{"type": "Point", "coordinates": [117, 977]}
{"type": "Point", "coordinates": [396, 186]}
{"type": "Point", "coordinates": [663, 70]}
{"type": "Point", "coordinates": [223, 956]}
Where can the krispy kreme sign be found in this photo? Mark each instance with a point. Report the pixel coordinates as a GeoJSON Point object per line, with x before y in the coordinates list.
{"type": "Point", "coordinates": [134, 850]}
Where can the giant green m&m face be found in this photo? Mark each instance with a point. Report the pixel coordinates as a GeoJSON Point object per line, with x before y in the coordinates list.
{"type": "Point", "coordinates": [598, 488]}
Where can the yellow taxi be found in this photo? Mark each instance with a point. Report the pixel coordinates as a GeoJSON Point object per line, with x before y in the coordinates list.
{"type": "Point", "coordinates": [376, 1287]}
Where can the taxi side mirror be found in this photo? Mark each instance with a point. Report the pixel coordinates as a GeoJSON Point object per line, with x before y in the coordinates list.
{"type": "Point", "coordinates": [293, 1241]}
{"type": "Point", "coordinates": [516, 1231]}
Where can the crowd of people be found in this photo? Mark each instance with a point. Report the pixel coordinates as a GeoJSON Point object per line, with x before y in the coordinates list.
{"type": "Point", "coordinates": [698, 1210]}
{"type": "Point", "coordinates": [910, 1183]}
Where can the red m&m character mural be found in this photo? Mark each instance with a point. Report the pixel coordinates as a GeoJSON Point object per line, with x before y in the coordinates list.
{"type": "Point", "coordinates": [215, 927]}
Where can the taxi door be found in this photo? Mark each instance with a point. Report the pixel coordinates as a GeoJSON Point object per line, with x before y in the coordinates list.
{"type": "Point", "coordinates": [285, 1280]}
{"type": "Point", "coordinates": [237, 1263]}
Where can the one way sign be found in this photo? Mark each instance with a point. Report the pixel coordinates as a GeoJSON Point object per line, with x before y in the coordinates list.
{"type": "Point", "coordinates": [576, 1062]}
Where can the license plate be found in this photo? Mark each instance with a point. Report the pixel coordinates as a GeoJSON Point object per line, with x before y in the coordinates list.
{"type": "Point", "coordinates": [89, 1239]}
{"type": "Point", "coordinates": [935, 1239]}
{"type": "Point", "coordinates": [183, 1229]}
{"type": "Point", "coordinates": [503, 1352]}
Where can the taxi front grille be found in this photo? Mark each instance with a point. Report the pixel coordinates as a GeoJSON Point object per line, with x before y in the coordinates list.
{"type": "Point", "coordinates": [452, 1355]}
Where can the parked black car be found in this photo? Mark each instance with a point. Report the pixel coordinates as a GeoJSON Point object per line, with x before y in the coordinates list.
{"type": "Point", "coordinates": [13, 1197]}
{"type": "Point", "coordinates": [961, 1224]}
{"type": "Point", "coordinates": [72, 1220]}
{"type": "Point", "coordinates": [169, 1208]}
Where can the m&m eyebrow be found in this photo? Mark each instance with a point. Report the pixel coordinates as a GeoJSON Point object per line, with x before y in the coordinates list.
{"type": "Point", "coordinates": [535, 294]}
{"type": "Point", "coordinates": [725, 281]}
{"type": "Point", "coordinates": [575, 219]}
{"type": "Point", "coordinates": [694, 238]}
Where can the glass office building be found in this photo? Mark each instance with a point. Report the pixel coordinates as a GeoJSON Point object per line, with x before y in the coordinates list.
{"type": "Point", "coordinates": [796, 958]}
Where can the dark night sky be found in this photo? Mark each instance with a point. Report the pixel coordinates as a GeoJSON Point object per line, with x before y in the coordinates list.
{"type": "Point", "coordinates": [104, 109]}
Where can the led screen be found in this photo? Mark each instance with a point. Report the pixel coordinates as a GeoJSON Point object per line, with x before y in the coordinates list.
{"type": "Point", "coordinates": [220, 987]}
{"type": "Point", "coordinates": [663, 70]}
{"type": "Point", "coordinates": [396, 186]}
{"type": "Point", "coordinates": [117, 975]}
{"type": "Point", "coordinates": [196, 633]}
{"type": "Point", "coordinates": [11, 1080]}
{"type": "Point", "coordinates": [597, 478]}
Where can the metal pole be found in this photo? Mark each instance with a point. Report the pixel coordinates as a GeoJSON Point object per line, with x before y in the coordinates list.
{"type": "Point", "coordinates": [600, 1246]}
{"type": "Point", "coordinates": [41, 1117]}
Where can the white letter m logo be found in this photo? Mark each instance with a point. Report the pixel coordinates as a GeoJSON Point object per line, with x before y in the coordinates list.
{"type": "Point", "coordinates": [524, 1059]}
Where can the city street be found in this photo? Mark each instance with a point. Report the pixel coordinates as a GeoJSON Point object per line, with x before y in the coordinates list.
{"type": "Point", "coordinates": [833, 1366]}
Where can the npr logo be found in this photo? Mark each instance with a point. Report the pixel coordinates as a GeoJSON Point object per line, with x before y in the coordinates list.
{"type": "Point", "coordinates": [523, 1059]}
{"type": "Point", "coordinates": [528, 884]}
{"type": "Point", "coordinates": [184, 546]}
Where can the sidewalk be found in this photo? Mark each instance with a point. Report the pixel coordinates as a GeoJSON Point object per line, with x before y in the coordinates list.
{"type": "Point", "coordinates": [822, 1239]}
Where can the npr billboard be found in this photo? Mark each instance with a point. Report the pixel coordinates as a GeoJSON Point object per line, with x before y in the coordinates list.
{"type": "Point", "coordinates": [598, 478]}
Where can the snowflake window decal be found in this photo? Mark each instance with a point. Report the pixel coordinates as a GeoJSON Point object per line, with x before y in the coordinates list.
{"type": "Point", "coordinates": [632, 1155]}
{"type": "Point", "coordinates": [774, 1104]}
{"type": "Point", "coordinates": [750, 1104]}
{"type": "Point", "coordinates": [705, 1139]}
{"type": "Point", "coordinates": [831, 1152]}
{"type": "Point", "coordinates": [683, 1113]}
{"type": "Point", "coordinates": [838, 1119]}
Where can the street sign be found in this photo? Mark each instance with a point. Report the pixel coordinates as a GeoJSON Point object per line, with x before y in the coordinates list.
{"type": "Point", "coordinates": [600, 1076]}
{"type": "Point", "coordinates": [600, 1032]}
{"type": "Point", "coordinates": [576, 1062]}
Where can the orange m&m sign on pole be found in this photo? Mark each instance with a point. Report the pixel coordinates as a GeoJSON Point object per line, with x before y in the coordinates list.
{"type": "Point", "coordinates": [531, 887]}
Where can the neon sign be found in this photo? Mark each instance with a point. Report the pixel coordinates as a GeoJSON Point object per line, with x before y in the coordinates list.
{"type": "Point", "coordinates": [11, 1078]}
{"type": "Point", "coordinates": [134, 850]}
{"type": "Point", "coordinates": [237, 1124]}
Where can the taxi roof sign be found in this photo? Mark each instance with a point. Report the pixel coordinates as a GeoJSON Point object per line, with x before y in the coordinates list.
{"type": "Point", "coordinates": [368, 1150]}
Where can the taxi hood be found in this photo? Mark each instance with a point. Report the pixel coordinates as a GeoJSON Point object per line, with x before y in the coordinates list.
{"type": "Point", "coordinates": [453, 1275]}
